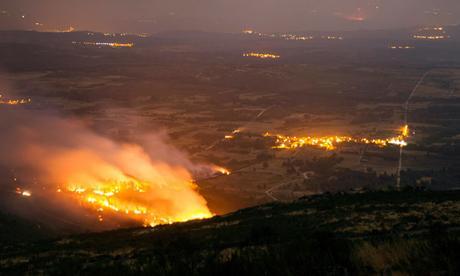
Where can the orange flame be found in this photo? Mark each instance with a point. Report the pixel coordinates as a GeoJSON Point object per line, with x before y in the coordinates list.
{"type": "Point", "coordinates": [149, 183]}
{"type": "Point", "coordinates": [164, 195]}
{"type": "Point", "coordinates": [222, 170]}
{"type": "Point", "coordinates": [14, 101]}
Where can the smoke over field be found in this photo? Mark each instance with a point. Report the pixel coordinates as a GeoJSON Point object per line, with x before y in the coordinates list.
{"type": "Point", "coordinates": [64, 162]}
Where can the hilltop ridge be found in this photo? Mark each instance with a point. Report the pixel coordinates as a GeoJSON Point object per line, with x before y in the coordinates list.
{"type": "Point", "coordinates": [409, 232]}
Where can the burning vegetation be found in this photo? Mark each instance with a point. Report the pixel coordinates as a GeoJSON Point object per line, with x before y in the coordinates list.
{"type": "Point", "coordinates": [14, 101]}
{"type": "Point", "coordinates": [131, 199]}
{"type": "Point", "coordinates": [85, 170]}
{"type": "Point", "coordinates": [152, 201]}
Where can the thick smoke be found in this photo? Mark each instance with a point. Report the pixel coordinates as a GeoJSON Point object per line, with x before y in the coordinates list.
{"type": "Point", "coordinates": [66, 162]}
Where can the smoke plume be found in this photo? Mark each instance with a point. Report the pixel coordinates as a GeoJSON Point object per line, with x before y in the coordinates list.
{"type": "Point", "coordinates": [78, 169]}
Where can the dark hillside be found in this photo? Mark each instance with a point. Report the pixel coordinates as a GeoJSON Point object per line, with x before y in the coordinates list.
{"type": "Point", "coordinates": [410, 232]}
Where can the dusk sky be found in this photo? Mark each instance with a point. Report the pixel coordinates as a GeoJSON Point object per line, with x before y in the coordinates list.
{"type": "Point", "coordinates": [224, 15]}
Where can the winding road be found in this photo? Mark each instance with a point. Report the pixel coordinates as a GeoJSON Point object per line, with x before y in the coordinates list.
{"type": "Point", "coordinates": [406, 122]}
{"type": "Point", "coordinates": [269, 191]}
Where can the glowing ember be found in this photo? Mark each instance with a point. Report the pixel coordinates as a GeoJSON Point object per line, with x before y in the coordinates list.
{"type": "Point", "coordinates": [262, 55]}
{"type": "Point", "coordinates": [21, 192]}
{"type": "Point", "coordinates": [222, 170]}
{"type": "Point", "coordinates": [405, 131]}
{"type": "Point", "coordinates": [232, 135]}
{"type": "Point", "coordinates": [331, 142]}
{"type": "Point", "coordinates": [14, 101]}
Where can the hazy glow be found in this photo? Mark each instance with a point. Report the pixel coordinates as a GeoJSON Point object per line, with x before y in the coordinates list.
{"type": "Point", "coordinates": [209, 15]}
{"type": "Point", "coordinates": [86, 170]}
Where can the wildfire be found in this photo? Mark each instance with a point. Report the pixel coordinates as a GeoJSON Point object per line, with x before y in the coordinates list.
{"type": "Point", "coordinates": [139, 182]}
{"type": "Point", "coordinates": [129, 197]}
{"type": "Point", "coordinates": [331, 142]}
{"type": "Point", "coordinates": [14, 101]}
{"type": "Point", "coordinates": [158, 194]}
